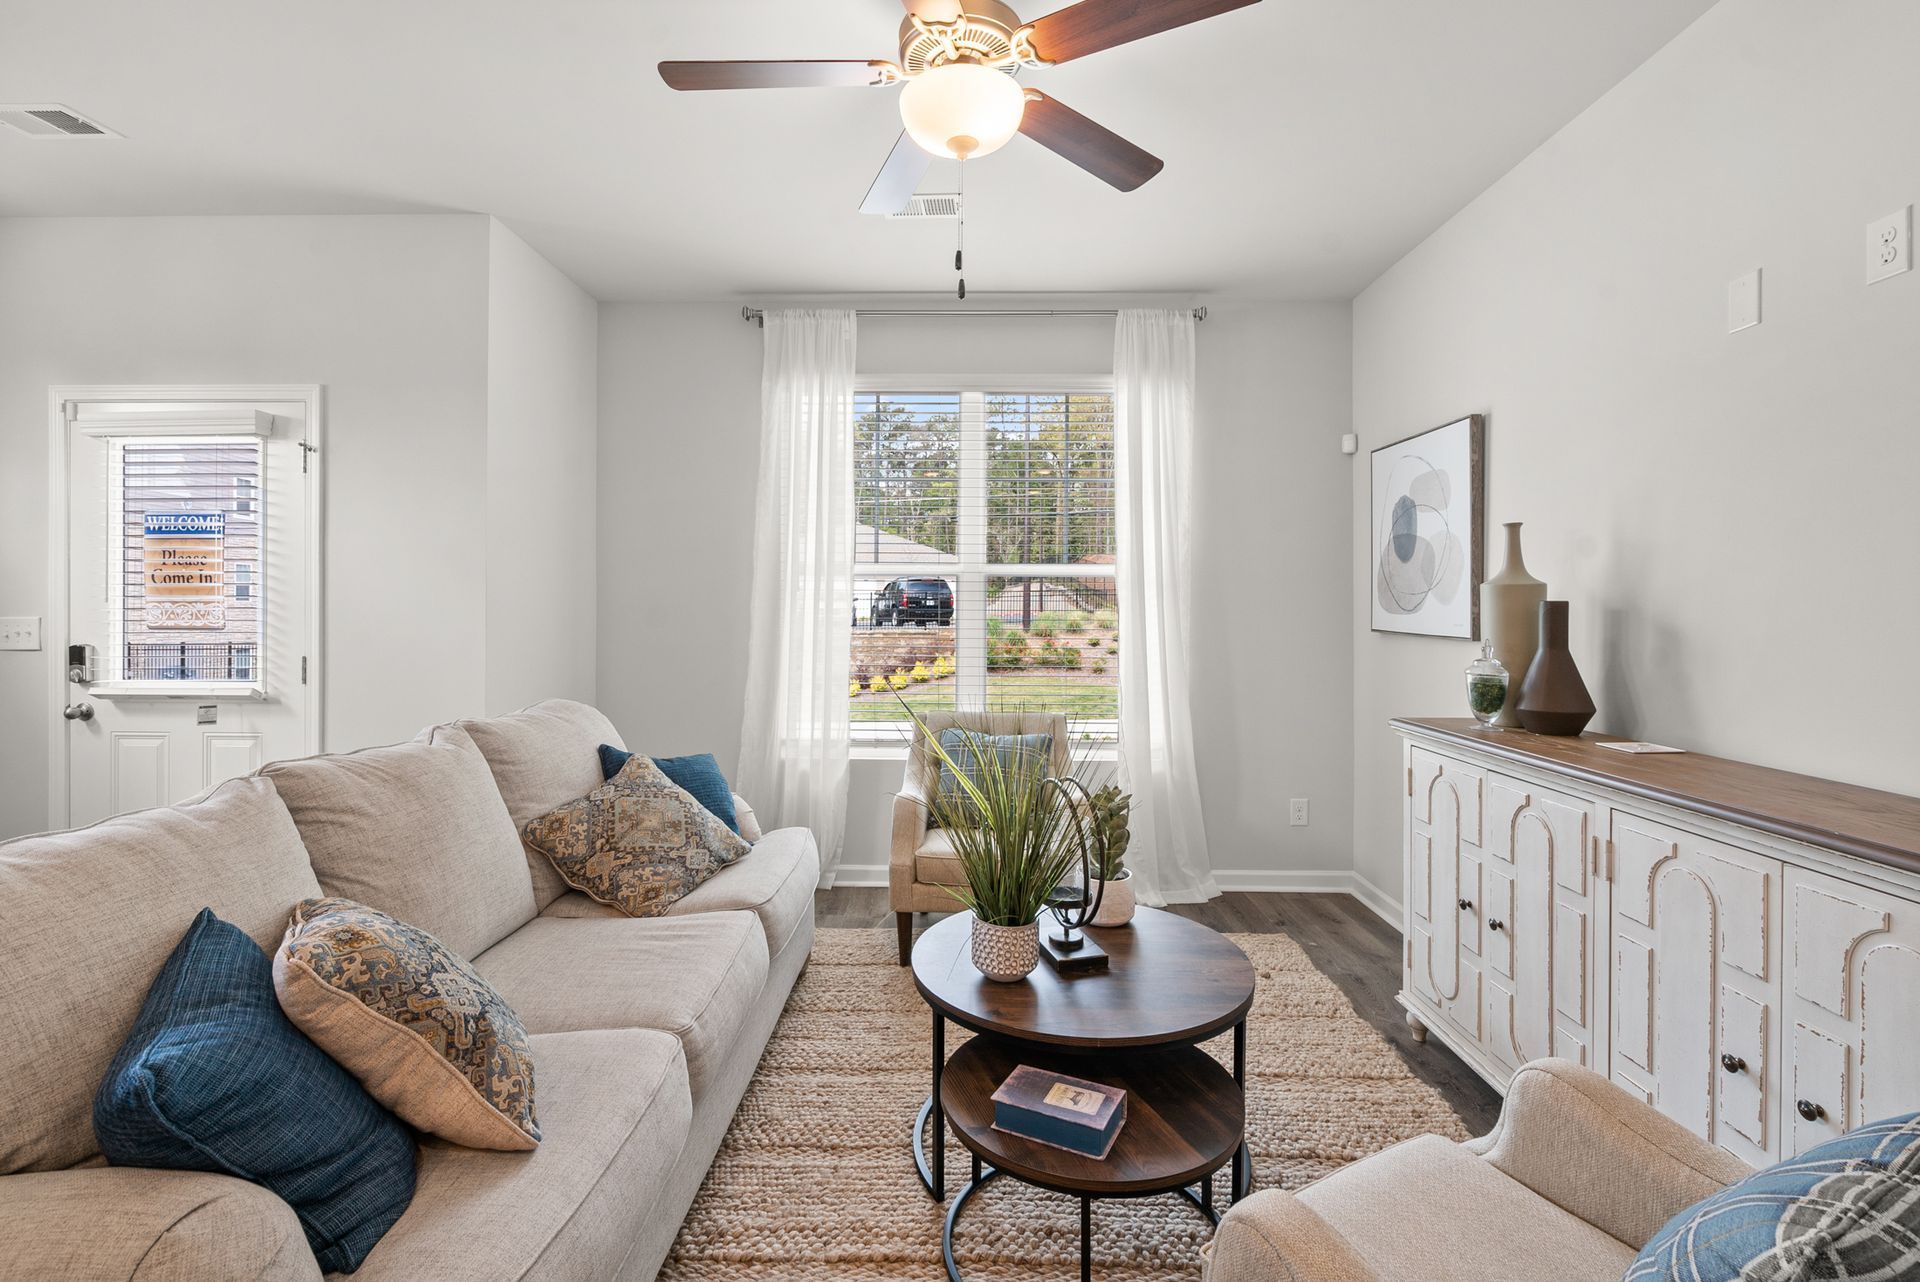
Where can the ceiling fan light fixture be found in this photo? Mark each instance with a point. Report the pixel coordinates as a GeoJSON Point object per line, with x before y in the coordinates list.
{"type": "Point", "coordinates": [962, 110]}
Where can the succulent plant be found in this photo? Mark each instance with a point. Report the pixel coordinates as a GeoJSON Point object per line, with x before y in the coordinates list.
{"type": "Point", "coordinates": [1111, 811]}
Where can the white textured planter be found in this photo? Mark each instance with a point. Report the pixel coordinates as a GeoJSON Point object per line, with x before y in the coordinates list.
{"type": "Point", "coordinates": [1005, 953]}
{"type": "Point", "coordinates": [1116, 901]}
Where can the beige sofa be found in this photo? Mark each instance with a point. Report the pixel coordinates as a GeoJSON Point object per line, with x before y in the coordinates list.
{"type": "Point", "coordinates": [1567, 1187]}
{"type": "Point", "coordinates": [644, 1032]}
{"type": "Point", "coordinates": [922, 864]}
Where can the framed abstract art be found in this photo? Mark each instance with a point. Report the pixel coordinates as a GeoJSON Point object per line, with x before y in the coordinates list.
{"type": "Point", "coordinates": [1426, 566]}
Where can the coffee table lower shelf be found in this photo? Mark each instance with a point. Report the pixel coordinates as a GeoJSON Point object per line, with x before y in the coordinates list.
{"type": "Point", "coordinates": [1186, 1119]}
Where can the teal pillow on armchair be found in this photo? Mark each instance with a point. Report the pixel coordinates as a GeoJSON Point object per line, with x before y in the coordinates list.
{"type": "Point", "coordinates": [1849, 1208]}
{"type": "Point", "coordinates": [697, 774]}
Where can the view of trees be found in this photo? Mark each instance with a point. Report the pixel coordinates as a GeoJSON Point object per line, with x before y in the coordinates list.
{"type": "Point", "coordinates": [1050, 483]}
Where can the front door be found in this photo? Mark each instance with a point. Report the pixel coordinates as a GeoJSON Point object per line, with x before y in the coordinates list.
{"type": "Point", "coordinates": [188, 654]}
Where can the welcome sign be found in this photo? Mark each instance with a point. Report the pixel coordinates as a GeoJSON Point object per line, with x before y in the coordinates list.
{"type": "Point", "coordinates": [184, 569]}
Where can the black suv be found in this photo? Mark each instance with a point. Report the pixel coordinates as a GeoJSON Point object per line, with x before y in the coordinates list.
{"type": "Point", "coordinates": [920, 601]}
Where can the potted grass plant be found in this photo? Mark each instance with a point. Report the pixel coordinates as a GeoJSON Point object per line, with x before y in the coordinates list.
{"type": "Point", "coordinates": [1110, 809]}
{"type": "Point", "coordinates": [1014, 840]}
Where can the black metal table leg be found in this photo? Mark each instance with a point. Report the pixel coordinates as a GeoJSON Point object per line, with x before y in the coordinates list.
{"type": "Point", "coordinates": [1206, 1197]}
{"type": "Point", "coordinates": [1086, 1239]}
{"type": "Point", "coordinates": [1242, 1180]}
{"type": "Point", "coordinates": [939, 1183]}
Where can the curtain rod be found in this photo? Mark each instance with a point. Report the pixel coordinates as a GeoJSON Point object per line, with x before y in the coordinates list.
{"type": "Point", "coordinates": [759, 316]}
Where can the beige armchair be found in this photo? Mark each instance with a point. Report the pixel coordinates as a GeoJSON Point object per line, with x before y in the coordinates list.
{"type": "Point", "coordinates": [923, 861]}
{"type": "Point", "coordinates": [1569, 1185]}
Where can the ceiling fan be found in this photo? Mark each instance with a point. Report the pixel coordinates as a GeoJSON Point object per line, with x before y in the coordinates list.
{"type": "Point", "coordinates": [959, 100]}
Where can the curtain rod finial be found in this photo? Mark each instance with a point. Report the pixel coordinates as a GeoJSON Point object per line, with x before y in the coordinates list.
{"type": "Point", "coordinates": [755, 315]}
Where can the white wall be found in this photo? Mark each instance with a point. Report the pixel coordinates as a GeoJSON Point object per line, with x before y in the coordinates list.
{"type": "Point", "coordinates": [1731, 516]}
{"type": "Point", "coordinates": [542, 435]}
{"type": "Point", "coordinates": [389, 313]}
{"type": "Point", "coordinates": [679, 400]}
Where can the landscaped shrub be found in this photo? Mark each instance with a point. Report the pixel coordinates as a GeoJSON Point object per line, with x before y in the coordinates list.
{"type": "Point", "coordinates": [900, 679]}
{"type": "Point", "coordinates": [920, 673]}
{"type": "Point", "coordinates": [1106, 618]}
{"type": "Point", "coordinates": [1098, 667]}
{"type": "Point", "coordinates": [853, 690]}
{"type": "Point", "coordinates": [943, 666]}
{"type": "Point", "coordinates": [1045, 625]}
{"type": "Point", "coordinates": [878, 685]}
{"type": "Point", "coordinates": [1076, 621]}
{"type": "Point", "coordinates": [1093, 643]}
{"type": "Point", "coordinates": [1058, 657]}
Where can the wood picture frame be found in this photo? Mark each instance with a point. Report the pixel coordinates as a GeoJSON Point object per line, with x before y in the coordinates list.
{"type": "Point", "coordinates": [1427, 518]}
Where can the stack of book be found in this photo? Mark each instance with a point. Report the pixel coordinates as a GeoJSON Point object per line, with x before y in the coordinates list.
{"type": "Point", "coordinates": [1064, 1112]}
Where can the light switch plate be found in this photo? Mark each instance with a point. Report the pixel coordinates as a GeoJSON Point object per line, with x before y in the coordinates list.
{"type": "Point", "coordinates": [20, 634]}
{"type": "Point", "coordinates": [1890, 245]}
{"type": "Point", "coordinates": [1743, 302]}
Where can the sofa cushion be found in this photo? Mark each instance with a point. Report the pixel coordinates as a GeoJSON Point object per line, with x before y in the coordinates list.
{"type": "Point", "coordinates": [775, 881]}
{"type": "Point", "coordinates": [1402, 1211]}
{"type": "Point", "coordinates": [639, 842]}
{"type": "Point", "coordinates": [543, 757]}
{"type": "Point", "coordinates": [148, 1226]}
{"type": "Point", "coordinates": [616, 1111]}
{"type": "Point", "coordinates": [935, 864]}
{"type": "Point", "coordinates": [1848, 1208]}
{"type": "Point", "coordinates": [417, 830]}
{"type": "Point", "coordinates": [696, 977]}
{"type": "Point", "coordinates": [215, 1078]}
{"type": "Point", "coordinates": [411, 1021]}
{"type": "Point", "coordinates": [89, 917]}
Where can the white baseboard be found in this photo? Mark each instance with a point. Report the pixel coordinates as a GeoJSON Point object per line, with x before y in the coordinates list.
{"type": "Point", "coordinates": [1327, 881]}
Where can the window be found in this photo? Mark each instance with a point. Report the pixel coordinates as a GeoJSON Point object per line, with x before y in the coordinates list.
{"type": "Point", "coordinates": [187, 512]}
{"type": "Point", "coordinates": [984, 555]}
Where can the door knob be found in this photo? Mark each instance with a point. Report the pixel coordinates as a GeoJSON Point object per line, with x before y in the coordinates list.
{"type": "Point", "coordinates": [1466, 905]}
{"type": "Point", "coordinates": [1809, 1110]}
{"type": "Point", "coordinates": [1494, 923]}
{"type": "Point", "coordinates": [1733, 1063]}
{"type": "Point", "coordinates": [78, 712]}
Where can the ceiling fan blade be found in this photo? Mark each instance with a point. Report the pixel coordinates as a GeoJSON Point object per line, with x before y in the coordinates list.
{"type": "Point", "coordinates": [815, 74]}
{"type": "Point", "coordinates": [1095, 148]}
{"type": "Point", "coordinates": [1093, 25]}
{"type": "Point", "coordinates": [898, 179]}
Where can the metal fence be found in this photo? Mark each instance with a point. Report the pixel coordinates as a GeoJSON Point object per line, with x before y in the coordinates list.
{"type": "Point", "coordinates": [190, 661]}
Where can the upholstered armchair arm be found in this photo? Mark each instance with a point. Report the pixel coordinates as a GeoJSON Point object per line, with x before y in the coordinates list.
{"type": "Point", "coordinates": [149, 1226]}
{"type": "Point", "coordinates": [909, 830]}
{"type": "Point", "coordinates": [1274, 1237]}
{"type": "Point", "coordinates": [1597, 1152]}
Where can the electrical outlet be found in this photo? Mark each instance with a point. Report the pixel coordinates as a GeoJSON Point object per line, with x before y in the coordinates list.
{"type": "Point", "coordinates": [20, 634]}
{"type": "Point", "coordinates": [1890, 245]}
{"type": "Point", "coordinates": [1297, 812]}
{"type": "Point", "coordinates": [1743, 302]}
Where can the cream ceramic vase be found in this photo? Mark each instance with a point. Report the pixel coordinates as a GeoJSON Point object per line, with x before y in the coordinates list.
{"type": "Point", "coordinates": [1510, 621]}
{"type": "Point", "coordinates": [1116, 901]}
{"type": "Point", "coordinates": [1005, 953]}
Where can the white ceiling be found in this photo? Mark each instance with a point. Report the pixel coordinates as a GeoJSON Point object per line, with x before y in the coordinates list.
{"type": "Point", "coordinates": [1309, 143]}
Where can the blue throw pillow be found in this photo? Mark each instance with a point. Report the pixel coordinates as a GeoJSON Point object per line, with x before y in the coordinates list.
{"type": "Point", "coordinates": [1033, 752]}
{"type": "Point", "coordinates": [1849, 1208]}
{"type": "Point", "coordinates": [214, 1077]}
{"type": "Point", "coordinates": [698, 774]}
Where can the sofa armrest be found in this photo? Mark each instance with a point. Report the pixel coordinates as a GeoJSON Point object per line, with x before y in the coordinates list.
{"type": "Point", "coordinates": [1597, 1152]}
{"type": "Point", "coordinates": [1274, 1237]}
{"type": "Point", "coordinates": [909, 830]}
{"type": "Point", "coordinates": [149, 1226]}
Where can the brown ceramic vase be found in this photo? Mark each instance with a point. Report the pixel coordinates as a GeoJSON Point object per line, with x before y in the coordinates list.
{"type": "Point", "coordinates": [1553, 698]}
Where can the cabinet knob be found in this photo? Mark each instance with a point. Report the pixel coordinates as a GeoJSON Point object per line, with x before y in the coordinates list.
{"type": "Point", "coordinates": [1809, 1110]}
{"type": "Point", "coordinates": [1494, 923]}
{"type": "Point", "coordinates": [1466, 905]}
{"type": "Point", "coordinates": [1733, 1063]}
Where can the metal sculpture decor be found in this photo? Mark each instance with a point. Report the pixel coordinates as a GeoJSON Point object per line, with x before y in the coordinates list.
{"type": "Point", "coordinates": [1071, 952]}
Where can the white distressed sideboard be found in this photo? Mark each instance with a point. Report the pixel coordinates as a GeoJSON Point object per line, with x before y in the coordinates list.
{"type": "Point", "coordinates": [1738, 945]}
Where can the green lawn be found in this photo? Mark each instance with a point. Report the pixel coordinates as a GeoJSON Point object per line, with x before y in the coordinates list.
{"type": "Point", "coordinates": [1080, 697]}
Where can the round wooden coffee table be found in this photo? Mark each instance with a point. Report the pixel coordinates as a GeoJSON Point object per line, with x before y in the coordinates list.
{"type": "Point", "coordinates": [1170, 984]}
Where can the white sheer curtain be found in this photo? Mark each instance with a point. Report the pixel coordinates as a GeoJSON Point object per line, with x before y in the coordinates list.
{"type": "Point", "coordinates": [793, 737]}
{"type": "Point", "coordinates": [1153, 429]}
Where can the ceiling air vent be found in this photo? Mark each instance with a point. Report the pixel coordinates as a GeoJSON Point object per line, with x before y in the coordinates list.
{"type": "Point", "coordinates": [51, 120]}
{"type": "Point", "coordinates": [938, 204]}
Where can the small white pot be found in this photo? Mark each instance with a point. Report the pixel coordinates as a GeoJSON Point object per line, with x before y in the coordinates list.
{"type": "Point", "coordinates": [1116, 901]}
{"type": "Point", "coordinates": [1005, 953]}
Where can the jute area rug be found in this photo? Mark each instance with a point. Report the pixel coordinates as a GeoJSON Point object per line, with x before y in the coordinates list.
{"type": "Point", "coordinates": [815, 1180]}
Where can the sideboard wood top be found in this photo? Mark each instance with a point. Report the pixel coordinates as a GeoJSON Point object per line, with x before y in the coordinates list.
{"type": "Point", "coordinates": [1883, 827]}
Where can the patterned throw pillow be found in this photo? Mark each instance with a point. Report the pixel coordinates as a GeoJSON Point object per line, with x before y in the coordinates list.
{"type": "Point", "coordinates": [425, 1035]}
{"type": "Point", "coordinates": [698, 773]}
{"type": "Point", "coordinates": [637, 843]}
{"type": "Point", "coordinates": [1849, 1208]}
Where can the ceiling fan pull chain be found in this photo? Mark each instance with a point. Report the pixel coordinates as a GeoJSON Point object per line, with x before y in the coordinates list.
{"type": "Point", "coordinates": [960, 248]}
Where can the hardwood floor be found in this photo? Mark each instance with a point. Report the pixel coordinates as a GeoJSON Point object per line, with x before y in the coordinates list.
{"type": "Point", "coordinates": [1349, 944]}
